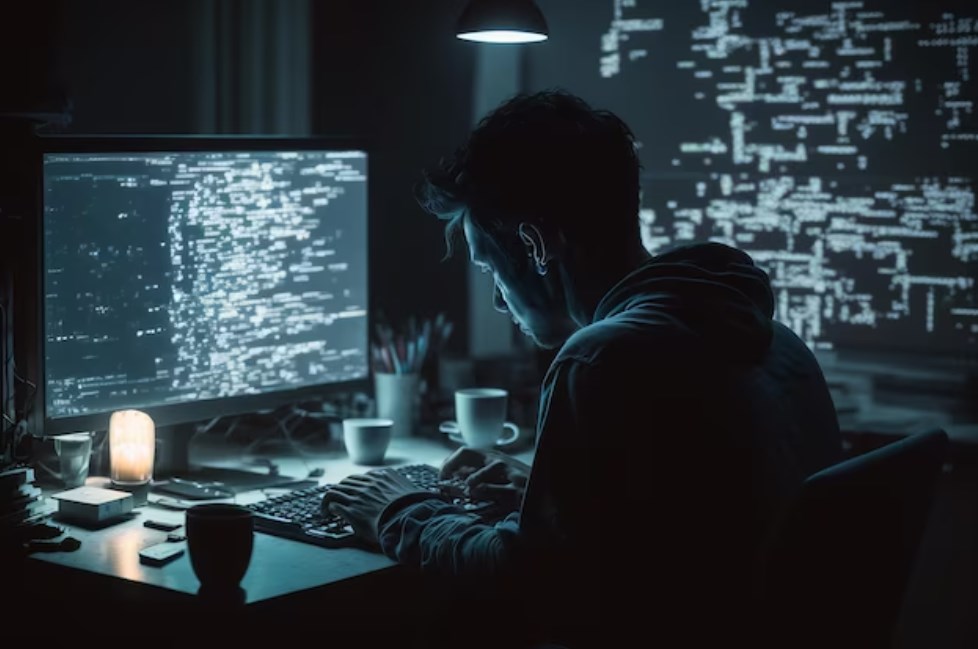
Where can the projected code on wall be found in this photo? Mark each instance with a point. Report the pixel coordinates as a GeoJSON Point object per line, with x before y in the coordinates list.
{"type": "Point", "coordinates": [834, 141]}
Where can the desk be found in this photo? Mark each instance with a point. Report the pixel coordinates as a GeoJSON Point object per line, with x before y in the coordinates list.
{"type": "Point", "coordinates": [282, 572]}
{"type": "Point", "coordinates": [874, 425]}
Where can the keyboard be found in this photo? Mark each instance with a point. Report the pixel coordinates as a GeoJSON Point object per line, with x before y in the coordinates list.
{"type": "Point", "coordinates": [298, 514]}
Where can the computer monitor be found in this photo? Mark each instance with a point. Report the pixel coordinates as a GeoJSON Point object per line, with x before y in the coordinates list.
{"type": "Point", "coordinates": [196, 277]}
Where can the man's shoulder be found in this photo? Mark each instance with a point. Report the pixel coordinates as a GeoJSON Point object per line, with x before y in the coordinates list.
{"type": "Point", "coordinates": [622, 340]}
{"type": "Point", "coordinates": [592, 343]}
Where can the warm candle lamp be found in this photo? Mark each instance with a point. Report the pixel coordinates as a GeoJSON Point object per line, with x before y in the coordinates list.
{"type": "Point", "coordinates": [132, 449]}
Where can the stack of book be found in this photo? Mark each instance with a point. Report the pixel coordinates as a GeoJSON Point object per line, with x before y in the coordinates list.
{"type": "Point", "coordinates": [21, 501]}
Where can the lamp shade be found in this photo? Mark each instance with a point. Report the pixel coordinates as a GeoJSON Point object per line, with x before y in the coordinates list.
{"type": "Point", "coordinates": [502, 21]}
{"type": "Point", "coordinates": [132, 447]}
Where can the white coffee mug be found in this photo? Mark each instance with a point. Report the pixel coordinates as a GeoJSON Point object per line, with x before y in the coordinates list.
{"type": "Point", "coordinates": [74, 451]}
{"type": "Point", "coordinates": [480, 418]}
{"type": "Point", "coordinates": [366, 440]}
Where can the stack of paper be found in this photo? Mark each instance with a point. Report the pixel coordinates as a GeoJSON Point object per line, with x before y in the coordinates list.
{"type": "Point", "coordinates": [21, 502]}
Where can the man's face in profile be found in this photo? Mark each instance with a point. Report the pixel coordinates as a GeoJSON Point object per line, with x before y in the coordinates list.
{"type": "Point", "coordinates": [536, 303]}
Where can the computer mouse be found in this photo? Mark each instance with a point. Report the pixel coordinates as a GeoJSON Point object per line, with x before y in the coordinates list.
{"type": "Point", "coordinates": [318, 472]}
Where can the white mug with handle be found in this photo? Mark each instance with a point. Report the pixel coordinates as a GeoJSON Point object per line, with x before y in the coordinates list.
{"type": "Point", "coordinates": [74, 451]}
{"type": "Point", "coordinates": [480, 419]}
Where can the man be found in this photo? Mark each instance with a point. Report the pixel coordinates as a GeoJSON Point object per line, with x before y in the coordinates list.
{"type": "Point", "coordinates": [675, 421]}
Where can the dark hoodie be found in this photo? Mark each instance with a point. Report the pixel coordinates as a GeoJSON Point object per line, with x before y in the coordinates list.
{"type": "Point", "coordinates": [671, 431]}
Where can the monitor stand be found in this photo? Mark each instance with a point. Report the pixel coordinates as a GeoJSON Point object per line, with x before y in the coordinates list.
{"type": "Point", "coordinates": [173, 449]}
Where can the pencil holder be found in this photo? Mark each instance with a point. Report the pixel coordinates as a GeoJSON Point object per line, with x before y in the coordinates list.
{"type": "Point", "coordinates": [398, 398]}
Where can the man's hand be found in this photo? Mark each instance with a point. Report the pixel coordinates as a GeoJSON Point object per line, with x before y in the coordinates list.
{"type": "Point", "coordinates": [361, 499]}
{"type": "Point", "coordinates": [464, 462]}
{"type": "Point", "coordinates": [489, 474]}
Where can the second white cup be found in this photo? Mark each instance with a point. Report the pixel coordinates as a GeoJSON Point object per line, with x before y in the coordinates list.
{"type": "Point", "coordinates": [366, 440]}
{"type": "Point", "coordinates": [480, 418]}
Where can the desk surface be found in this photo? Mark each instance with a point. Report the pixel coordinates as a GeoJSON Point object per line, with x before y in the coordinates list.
{"type": "Point", "coordinates": [898, 421]}
{"type": "Point", "coordinates": [278, 566]}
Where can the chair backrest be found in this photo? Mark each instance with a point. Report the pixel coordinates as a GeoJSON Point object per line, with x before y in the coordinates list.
{"type": "Point", "coordinates": [837, 567]}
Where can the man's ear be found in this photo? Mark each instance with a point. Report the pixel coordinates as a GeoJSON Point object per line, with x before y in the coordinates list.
{"type": "Point", "coordinates": [532, 238]}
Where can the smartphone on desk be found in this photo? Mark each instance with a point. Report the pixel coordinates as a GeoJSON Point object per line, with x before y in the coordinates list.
{"type": "Point", "coordinates": [160, 554]}
{"type": "Point", "coordinates": [190, 490]}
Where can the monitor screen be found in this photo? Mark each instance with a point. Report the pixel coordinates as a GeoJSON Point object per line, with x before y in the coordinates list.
{"type": "Point", "coordinates": [193, 277]}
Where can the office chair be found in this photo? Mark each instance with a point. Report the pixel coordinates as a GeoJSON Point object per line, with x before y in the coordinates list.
{"type": "Point", "coordinates": [837, 565]}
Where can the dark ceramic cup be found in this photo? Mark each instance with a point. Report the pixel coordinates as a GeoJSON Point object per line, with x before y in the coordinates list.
{"type": "Point", "coordinates": [220, 538]}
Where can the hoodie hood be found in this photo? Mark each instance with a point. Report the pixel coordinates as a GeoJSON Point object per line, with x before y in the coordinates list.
{"type": "Point", "coordinates": [711, 290]}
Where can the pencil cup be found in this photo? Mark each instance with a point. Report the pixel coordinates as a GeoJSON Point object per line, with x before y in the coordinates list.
{"type": "Point", "coordinates": [398, 398]}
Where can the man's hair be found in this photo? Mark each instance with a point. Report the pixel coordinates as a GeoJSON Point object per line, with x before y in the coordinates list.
{"type": "Point", "coordinates": [546, 158]}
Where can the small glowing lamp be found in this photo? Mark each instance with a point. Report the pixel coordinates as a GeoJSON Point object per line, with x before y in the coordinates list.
{"type": "Point", "coordinates": [132, 448]}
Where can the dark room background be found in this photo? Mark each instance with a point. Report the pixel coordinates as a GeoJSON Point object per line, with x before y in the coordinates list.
{"type": "Point", "coordinates": [392, 74]}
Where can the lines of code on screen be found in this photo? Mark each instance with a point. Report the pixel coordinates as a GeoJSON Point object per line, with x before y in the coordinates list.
{"type": "Point", "coordinates": [837, 142]}
{"type": "Point", "coordinates": [174, 277]}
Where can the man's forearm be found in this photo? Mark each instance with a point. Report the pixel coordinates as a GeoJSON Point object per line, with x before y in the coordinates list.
{"type": "Point", "coordinates": [440, 538]}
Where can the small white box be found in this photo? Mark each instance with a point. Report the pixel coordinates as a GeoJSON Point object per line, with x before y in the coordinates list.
{"type": "Point", "coordinates": [93, 504]}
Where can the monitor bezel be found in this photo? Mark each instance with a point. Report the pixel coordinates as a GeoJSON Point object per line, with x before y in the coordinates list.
{"type": "Point", "coordinates": [209, 409]}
